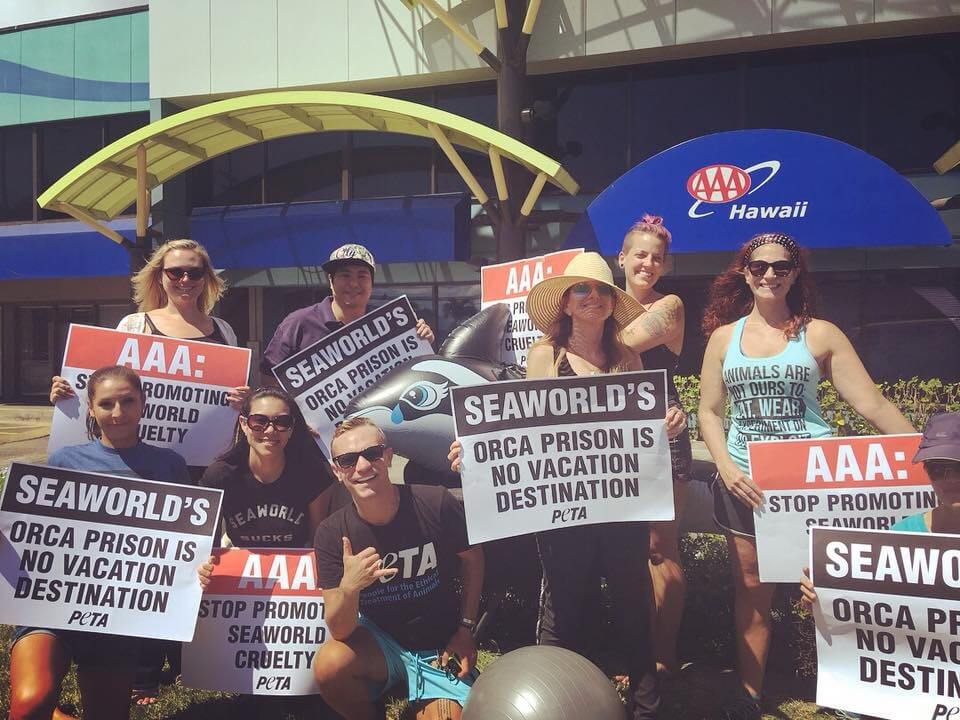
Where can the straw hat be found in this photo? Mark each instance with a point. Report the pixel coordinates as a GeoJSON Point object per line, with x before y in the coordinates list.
{"type": "Point", "coordinates": [545, 300]}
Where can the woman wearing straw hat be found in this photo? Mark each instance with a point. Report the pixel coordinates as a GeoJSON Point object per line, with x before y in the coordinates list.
{"type": "Point", "coordinates": [582, 314]}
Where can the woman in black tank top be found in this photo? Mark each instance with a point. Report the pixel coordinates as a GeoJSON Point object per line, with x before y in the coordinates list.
{"type": "Point", "coordinates": [658, 336]}
{"type": "Point", "coordinates": [582, 317]}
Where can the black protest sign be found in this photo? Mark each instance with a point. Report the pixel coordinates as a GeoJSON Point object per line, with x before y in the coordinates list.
{"type": "Point", "coordinates": [104, 553]}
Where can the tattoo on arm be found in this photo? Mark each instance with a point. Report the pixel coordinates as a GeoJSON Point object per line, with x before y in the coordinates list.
{"type": "Point", "coordinates": [662, 320]}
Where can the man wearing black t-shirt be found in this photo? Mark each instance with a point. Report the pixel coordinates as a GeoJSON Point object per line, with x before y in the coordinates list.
{"type": "Point", "coordinates": [386, 564]}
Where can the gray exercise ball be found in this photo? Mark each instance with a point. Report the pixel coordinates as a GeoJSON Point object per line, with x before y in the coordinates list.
{"type": "Point", "coordinates": [543, 683]}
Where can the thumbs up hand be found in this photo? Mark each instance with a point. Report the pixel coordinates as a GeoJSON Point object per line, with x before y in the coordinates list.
{"type": "Point", "coordinates": [361, 570]}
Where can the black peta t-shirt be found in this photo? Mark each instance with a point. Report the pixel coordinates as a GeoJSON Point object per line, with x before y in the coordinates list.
{"type": "Point", "coordinates": [266, 514]}
{"type": "Point", "coordinates": [418, 607]}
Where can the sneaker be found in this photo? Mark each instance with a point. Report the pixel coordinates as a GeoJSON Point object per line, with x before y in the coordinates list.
{"type": "Point", "coordinates": [742, 707]}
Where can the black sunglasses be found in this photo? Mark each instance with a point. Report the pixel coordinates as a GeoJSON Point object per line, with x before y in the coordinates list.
{"type": "Point", "coordinates": [176, 273]}
{"type": "Point", "coordinates": [583, 289]}
{"type": "Point", "coordinates": [938, 469]}
{"type": "Point", "coordinates": [348, 460]}
{"type": "Point", "coordinates": [781, 268]}
{"type": "Point", "coordinates": [259, 423]}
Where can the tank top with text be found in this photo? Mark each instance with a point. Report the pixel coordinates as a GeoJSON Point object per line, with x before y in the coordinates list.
{"type": "Point", "coordinates": [771, 398]}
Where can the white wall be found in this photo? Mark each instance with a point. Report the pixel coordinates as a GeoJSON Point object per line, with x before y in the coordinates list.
{"type": "Point", "coordinates": [25, 12]}
{"type": "Point", "coordinates": [201, 47]}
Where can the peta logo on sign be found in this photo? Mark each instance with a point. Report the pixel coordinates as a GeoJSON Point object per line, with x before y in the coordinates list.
{"type": "Point", "coordinates": [723, 183]}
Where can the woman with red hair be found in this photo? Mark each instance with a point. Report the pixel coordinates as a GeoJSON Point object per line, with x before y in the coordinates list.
{"type": "Point", "coordinates": [764, 344]}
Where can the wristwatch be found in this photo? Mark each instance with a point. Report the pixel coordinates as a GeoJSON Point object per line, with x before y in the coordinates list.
{"type": "Point", "coordinates": [468, 623]}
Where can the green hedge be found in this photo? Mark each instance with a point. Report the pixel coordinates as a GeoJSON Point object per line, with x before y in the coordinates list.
{"type": "Point", "coordinates": [916, 398]}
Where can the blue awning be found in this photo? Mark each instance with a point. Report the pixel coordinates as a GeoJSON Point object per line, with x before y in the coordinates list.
{"type": "Point", "coordinates": [715, 191]}
{"type": "Point", "coordinates": [31, 251]}
{"type": "Point", "coordinates": [403, 229]}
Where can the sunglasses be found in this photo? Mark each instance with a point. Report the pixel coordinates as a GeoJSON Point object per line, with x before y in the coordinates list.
{"type": "Point", "coordinates": [348, 460]}
{"type": "Point", "coordinates": [259, 423]}
{"type": "Point", "coordinates": [583, 289]}
{"type": "Point", "coordinates": [781, 268]}
{"type": "Point", "coordinates": [177, 273]}
{"type": "Point", "coordinates": [938, 470]}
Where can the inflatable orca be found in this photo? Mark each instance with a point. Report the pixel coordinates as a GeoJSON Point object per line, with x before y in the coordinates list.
{"type": "Point", "coordinates": [412, 402]}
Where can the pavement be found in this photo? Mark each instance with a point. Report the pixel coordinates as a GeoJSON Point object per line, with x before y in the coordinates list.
{"type": "Point", "coordinates": [24, 431]}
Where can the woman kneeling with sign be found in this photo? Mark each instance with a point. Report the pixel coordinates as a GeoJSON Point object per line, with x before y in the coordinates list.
{"type": "Point", "coordinates": [40, 658]}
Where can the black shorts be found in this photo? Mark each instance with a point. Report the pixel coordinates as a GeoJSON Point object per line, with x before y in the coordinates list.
{"type": "Point", "coordinates": [681, 456]}
{"type": "Point", "coordinates": [90, 651]}
{"type": "Point", "coordinates": [729, 513]}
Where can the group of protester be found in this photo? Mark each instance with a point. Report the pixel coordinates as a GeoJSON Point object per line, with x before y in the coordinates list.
{"type": "Point", "coordinates": [759, 319]}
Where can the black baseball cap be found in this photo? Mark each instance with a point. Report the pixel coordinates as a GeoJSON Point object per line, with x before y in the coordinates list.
{"type": "Point", "coordinates": [941, 438]}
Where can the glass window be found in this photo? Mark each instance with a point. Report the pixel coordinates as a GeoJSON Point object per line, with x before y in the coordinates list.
{"type": "Point", "coordinates": [231, 179]}
{"type": "Point", "coordinates": [111, 315]}
{"type": "Point", "coordinates": [673, 102]}
{"type": "Point", "coordinates": [455, 303]}
{"type": "Point", "coordinates": [64, 145]}
{"type": "Point", "coordinates": [34, 342]}
{"type": "Point", "coordinates": [911, 101]}
{"type": "Point", "coordinates": [16, 174]}
{"type": "Point", "coordinates": [581, 121]}
{"type": "Point", "coordinates": [120, 125]}
{"type": "Point", "coordinates": [304, 167]}
{"type": "Point", "coordinates": [476, 102]}
{"type": "Point", "coordinates": [390, 164]}
{"type": "Point", "coordinates": [810, 89]}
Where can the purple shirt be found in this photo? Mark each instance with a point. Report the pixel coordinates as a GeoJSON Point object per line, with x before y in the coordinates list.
{"type": "Point", "coordinates": [298, 330]}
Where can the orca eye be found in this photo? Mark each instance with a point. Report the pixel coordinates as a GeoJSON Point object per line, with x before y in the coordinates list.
{"type": "Point", "coordinates": [425, 395]}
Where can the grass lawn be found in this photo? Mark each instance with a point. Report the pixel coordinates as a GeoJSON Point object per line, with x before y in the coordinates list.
{"type": "Point", "coordinates": [691, 696]}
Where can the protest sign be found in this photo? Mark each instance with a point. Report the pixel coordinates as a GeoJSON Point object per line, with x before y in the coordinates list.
{"type": "Point", "coordinates": [888, 622]}
{"type": "Point", "coordinates": [327, 375]}
{"type": "Point", "coordinates": [185, 383]}
{"type": "Point", "coordinates": [541, 454]}
{"type": "Point", "coordinates": [849, 482]}
{"type": "Point", "coordinates": [508, 284]}
{"type": "Point", "coordinates": [103, 553]}
{"type": "Point", "coordinates": [260, 623]}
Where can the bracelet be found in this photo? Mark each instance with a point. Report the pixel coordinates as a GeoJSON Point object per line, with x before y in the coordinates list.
{"type": "Point", "coordinates": [468, 623]}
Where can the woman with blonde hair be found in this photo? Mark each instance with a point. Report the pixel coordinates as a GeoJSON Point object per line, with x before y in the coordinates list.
{"type": "Point", "coordinates": [175, 292]}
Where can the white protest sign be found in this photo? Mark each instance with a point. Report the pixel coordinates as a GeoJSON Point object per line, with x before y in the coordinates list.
{"type": "Point", "coordinates": [260, 623]}
{"type": "Point", "coordinates": [185, 383]}
{"type": "Point", "coordinates": [888, 622]}
{"type": "Point", "coordinates": [556, 452]}
{"type": "Point", "coordinates": [103, 553]}
{"type": "Point", "coordinates": [327, 375]}
{"type": "Point", "coordinates": [508, 284]}
{"type": "Point", "coordinates": [849, 482]}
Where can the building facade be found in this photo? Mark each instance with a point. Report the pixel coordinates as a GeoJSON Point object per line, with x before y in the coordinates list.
{"type": "Point", "coordinates": [610, 85]}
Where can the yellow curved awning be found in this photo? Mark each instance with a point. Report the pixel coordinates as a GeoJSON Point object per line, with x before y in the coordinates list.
{"type": "Point", "coordinates": [103, 185]}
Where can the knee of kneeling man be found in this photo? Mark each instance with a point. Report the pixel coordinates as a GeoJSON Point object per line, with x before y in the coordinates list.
{"type": "Point", "coordinates": [330, 661]}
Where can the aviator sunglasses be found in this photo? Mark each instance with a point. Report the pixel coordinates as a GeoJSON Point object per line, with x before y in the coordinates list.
{"type": "Point", "coordinates": [349, 459]}
{"type": "Point", "coordinates": [582, 289]}
{"type": "Point", "coordinates": [781, 268]}
{"type": "Point", "coordinates": [259, 423]}
{"type": "Point", "coordinates": [177, 273]}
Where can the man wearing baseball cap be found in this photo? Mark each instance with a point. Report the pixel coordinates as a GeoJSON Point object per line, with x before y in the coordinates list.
{"type": "Point", "coordinates": [350, 270]}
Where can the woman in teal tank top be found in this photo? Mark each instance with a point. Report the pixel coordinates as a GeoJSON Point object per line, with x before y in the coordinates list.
{"type": "Point", "coordinates": [766, 353]}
